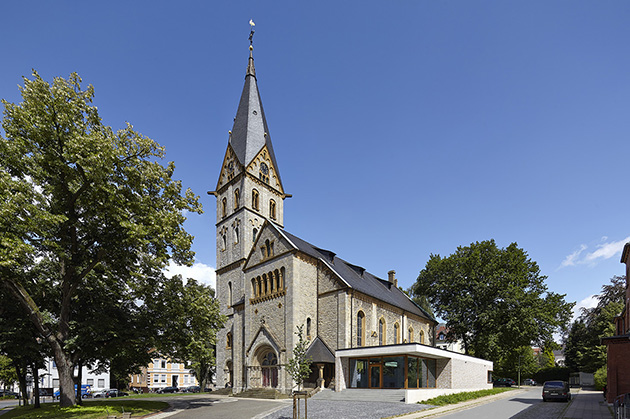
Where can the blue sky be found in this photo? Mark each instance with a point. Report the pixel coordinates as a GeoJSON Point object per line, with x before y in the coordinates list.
{"type": "Point", "coordinates": [401, 128]}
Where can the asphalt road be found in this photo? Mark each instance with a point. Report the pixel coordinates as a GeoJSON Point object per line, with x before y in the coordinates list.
{"type": "Point", "coordinates": [525, 405]}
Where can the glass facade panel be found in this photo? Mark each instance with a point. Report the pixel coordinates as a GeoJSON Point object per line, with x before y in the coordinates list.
{"type": "Point", "coordinates": [389, 372]}
{"type": "Point", "coordinates": [359, 368]}
{"type": "Point", "coordinates": [413, 364]}
{"type": "Point", "coordinates": [394, 372]}
{"type": "Point", "coordinates": [375, 376]}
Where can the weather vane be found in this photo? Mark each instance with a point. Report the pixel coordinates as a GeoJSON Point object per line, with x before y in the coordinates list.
{"type": "Point", "coordinates": [251, 34]}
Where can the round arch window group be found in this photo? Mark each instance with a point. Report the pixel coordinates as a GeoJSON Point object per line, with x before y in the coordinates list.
{"type": "Point", "coordinates": [269, 284]}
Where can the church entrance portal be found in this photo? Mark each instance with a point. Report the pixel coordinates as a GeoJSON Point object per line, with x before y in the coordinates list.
{"type": "Point", "coordinates": [269, 369]}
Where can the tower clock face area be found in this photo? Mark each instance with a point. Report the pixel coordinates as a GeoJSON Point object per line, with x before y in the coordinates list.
{"type": "Point", "coordinates": [264, 172]}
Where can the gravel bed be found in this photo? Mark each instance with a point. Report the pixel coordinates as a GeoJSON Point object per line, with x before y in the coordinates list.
{"type": "Point", "coordinates": [329, 409]}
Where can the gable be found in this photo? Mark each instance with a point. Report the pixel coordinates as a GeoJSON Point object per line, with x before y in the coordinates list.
{"type": "Point", "coordinates": [230, 168]}
{"type": "Point", "coordinates": [262, 168]}
{"type": "Point", "coordinates": [269, 244]}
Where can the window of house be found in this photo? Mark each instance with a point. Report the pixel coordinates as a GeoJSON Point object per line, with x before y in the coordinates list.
{"type": "Point", "coordinates": [101, 383]}
{"type": "Point", "coordinates": [236, 233]}
{"type": "Point", "coordinates": [254, 234]}
{"type": "Point", "coordinates": [410, 335]}
{"type": "Point", "coordinates": [422, 337]}
{"type": "Point", "coordinates": [224, 237]}
{"type": "Point", "coordinates": [156, 378]}
{"type": "Point", "coordinates": [255, 199]}
{"type": "Point", "coordinates": [163, 380]}
{"type": "Point", "coordinates": [55, 382]}
{"type": "Point", "coordinates": [382, 340]}
{"type": "Point", "coordinates": [229, 294]}
{"type": "Point", "coordinates": [237, 198]}
{"type": "Point", "coordinates": [163, 364]}
{"type": "Point", "coordinates": [396, 333]}
{"type": "Point", "coordinates": [308, 327]}
{"type": "Point", "coordinates": [223, 207]}
{"type": "Point", "coordinates": [360, 329]}
{"type": "Point", "coordinates": [254, 293]}
{"type": "Point", "coordinates": [90, 381]}
{"type": "Point", "coordinates": [272, 209]}
{"type": "Point", "coordinates": [228, 341]}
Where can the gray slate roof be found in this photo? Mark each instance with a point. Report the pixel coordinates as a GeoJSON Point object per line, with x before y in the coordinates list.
{"type": "Point", "coordinates": [357, 277]}
{"type": "Point", "coordinates": [319, 352]}
{"type": "Point", "coordinates": [250, 125]}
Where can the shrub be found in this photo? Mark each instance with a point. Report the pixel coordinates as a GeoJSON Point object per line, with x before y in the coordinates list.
{"type": "Point", "coordinates": [601, 377]}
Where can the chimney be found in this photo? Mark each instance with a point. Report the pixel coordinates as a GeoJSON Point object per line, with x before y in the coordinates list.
{"type": "Point", "coordinates": [392, 277]}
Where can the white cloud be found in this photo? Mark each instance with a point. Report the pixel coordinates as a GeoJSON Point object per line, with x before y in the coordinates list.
{"type": "Point", "coordinates": [199, 271]}
{"type": "Point", "coordinates": [605, 250]}
{"type": "Point", "coordinates": [571, 259]}
{"type": "Point", "coordinates": [589, 302]}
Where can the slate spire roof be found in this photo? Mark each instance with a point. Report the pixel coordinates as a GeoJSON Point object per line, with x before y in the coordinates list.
{"type": "Point", "coordinates": [250, 132]}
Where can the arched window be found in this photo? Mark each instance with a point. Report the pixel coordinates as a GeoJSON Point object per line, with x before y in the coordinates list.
{"type": "Point", "coordinates": [228, 340]}
{"type": "Point", "coordinates": [382, 339]}
{"type": "Point", "coordinates": [396, 333]}
{"type": "Point", "coordinates": [223, 207]}
{"type": "Point", "coordinates": [308, 327]}
{"type": "Point", "coordinates": [224, 237]}
{"type": "Point", "coordinates": [254, 294]}
{"type": "Point", "coordinates": [410, 335]}
{"type": "Point", "coordinates": [266, 284]}
{"type": "Point", "coordinates": [237, 198]}
{"type": "Point", "coordinates": [255, 199]}
{"type": "Point", "coordinates": [276, 275]}
{"type": "Point", "coordinates": [272, 209]}
{"type": "Point", "coordinates": [229, 294]}
{"type": "Point", "coordinates": [360, 329]}
{"type": "Point", "coordinates": [259, 279]}
{"type": "Point", "coordinates": [268, 249]}
{"type": "Point", "coordinates": [254, 234]}
{"type": "Point", "coordinates": [282, 281]}
{"type": "Point", "coordinates": [422, 337]}
{"type": "Point", "coordinates": [236, 233]}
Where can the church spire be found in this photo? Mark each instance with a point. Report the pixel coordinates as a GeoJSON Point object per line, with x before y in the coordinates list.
{"type": "Point", "coordinates": [250, 132]}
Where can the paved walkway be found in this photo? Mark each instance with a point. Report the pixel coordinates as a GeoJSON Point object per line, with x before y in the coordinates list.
{"type": "Point", "coordinates": [588, 404]}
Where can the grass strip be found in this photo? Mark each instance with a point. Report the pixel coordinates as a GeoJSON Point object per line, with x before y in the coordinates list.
{"type": "Point", "coordinates": [462, 397]}
{"type": "Point", "coordinates": [93, 409]}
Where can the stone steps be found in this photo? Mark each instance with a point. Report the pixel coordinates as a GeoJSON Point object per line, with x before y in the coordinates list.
{"type": "Point", "coordinates": [362, 394]}
{"type": "Point", "coordinates": [261, 393]}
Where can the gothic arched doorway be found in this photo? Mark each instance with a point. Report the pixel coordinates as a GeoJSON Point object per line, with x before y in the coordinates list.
{"type": "Point", "coordinates": [269, 369]}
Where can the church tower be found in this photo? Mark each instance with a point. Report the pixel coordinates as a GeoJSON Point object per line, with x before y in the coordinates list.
{"type": "Point", "coordinates": [249, 192]}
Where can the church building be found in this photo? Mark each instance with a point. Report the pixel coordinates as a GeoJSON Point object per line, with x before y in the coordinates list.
{"type": "Point", "coordinates": [363, 331]}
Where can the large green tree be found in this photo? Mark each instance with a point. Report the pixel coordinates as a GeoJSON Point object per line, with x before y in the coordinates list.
{"type": "Point", "coordinates": [91, 205]}
{"type": "Point", "coordinates": [494, 299]}
{"type": "Point", "coordinates": [583, 349]}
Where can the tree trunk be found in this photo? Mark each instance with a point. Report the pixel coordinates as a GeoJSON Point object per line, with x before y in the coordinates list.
{"type": "Point", "coordinates": [21, 373]}
{"type": "Point", "coordinates": [66, 381]}
{"type": "Point", "coordinates": [64, 365]}
{"type": "Point", "coordinates": [36, 403]}
{"type": "Point", "coordinates": [79, 392]}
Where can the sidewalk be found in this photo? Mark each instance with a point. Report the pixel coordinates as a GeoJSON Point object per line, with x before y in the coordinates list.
{"type": "Point", "coordinates": [588, 404]}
